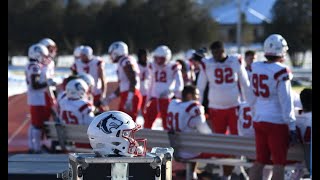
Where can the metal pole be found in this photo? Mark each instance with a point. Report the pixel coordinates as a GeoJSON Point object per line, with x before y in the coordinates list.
{"type": "Point", "coordinates": [239, 26]}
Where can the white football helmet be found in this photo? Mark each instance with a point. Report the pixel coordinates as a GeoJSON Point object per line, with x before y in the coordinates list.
{"type": "Point", "coordinates": [112, 134]}
{"type": "Point", "coordinates": [51, 45]}
{"type": "Point", "coordinates": [189, 54]}
{"type": "Point", "coordinates": [275, 45]}
{"type": "Point", "coordinates": [164, 52]}
{"type": "Point", "coordinates": [87, 78]}
{"type": "Point", "coordinates": [87, 51]}
{"type": "Point", "coordinates": [117, 49]}
{"type": "Point", "coordinates": [76, 89]}
{"type": "Point", "coordinates": [77, 51]}
{"type": "Point", "coordinates": [39, 52]}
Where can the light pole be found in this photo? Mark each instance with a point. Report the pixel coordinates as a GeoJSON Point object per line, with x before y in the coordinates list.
{"type": "Point", "coordinates": [239, 27]}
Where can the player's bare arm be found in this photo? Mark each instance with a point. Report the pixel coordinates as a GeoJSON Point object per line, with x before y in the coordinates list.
{"type": "Point", "coordinates": [35, 82]}
{"type": "Point", "coordinates": [103, 81]}
{"type": "Point", "coordinates": [74, 69]}
{"type": "Point", "coordinates": [246, 92]}
{"type": "Point", "coordinates": [201, 84]}
{"type": "Point", "coordinates": [128, 69]}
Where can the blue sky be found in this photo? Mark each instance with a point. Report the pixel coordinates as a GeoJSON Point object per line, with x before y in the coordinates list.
{"type": "Point", "coordinates": [255, 10]}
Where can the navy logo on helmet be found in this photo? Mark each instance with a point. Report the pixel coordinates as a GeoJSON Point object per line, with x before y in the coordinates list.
{"type": "Point", "coordinates": [115, 46]}
{"type": "Point", "coordinates": [270, 45]}
{"type": "Point", "coordinates": [37, 49]}
{"type": "Point", "coordinates": [79, 87]}
{"type": "Point", "coordinates": [109, 123]}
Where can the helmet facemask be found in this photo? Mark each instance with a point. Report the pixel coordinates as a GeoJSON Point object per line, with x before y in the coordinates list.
{"type": "Point", "coordinates": [46, 60]}
{"type": "Point", "coordinates": [162, 54]}
{"type": "Point", "coordinates": [39, 53]}
{"type": "Point", "coordinates": [160, 60]}
{"type": "Point", "coordinates": [86, 54]}
{"type": "Point", "coordinates": [52, 51]}
{"type": "Point", "coordinates": [112, 134]}
{"type": "Point", "coordinates": [114, 56]}
{"type": "Point", "coordinates": [77, 52]}
{"type": "Point", "coordinates": [137, 147]}
{"type": "Point", "coordinates": [51, 45]}
{"type": "Point", "coordinates": [124, 145]}
{"type": "Point", "coordinates": [117, 49]}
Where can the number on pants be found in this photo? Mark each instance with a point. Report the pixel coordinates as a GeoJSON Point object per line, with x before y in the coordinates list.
{"type": "Point", "coordinates": [223, 75]}
{"type": "Point", "coordinates": [69, 117]}
{"type": "Point", "coordinates": [260, 88]}
{"type": "Point", "coordinates": [173, 121]}
{"type": "Point", "coordinates": [247, 117]}
{"type": "Point", "coordinates": [161, 76]}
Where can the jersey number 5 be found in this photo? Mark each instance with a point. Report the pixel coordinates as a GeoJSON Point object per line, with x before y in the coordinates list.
{"type": "Point", "coordinates": [69, 118]}
{"type": "Point", "coordinates": [260, 88]}
{"type": "Point", "coordinates": [247, 117]}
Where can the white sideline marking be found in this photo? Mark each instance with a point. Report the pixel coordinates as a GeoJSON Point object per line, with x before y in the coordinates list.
{"type": "Point", "coordinates": [15, 133]}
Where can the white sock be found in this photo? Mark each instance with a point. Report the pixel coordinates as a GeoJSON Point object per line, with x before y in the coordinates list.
{"type": "Point", "coordinates": [47, 142]}
{"type": "Point", "coordinates": [30, 138]}
{"type": "Point", "coordinates": [36, 133]}
{"type": "Point", "coordinates": [267, 174]}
